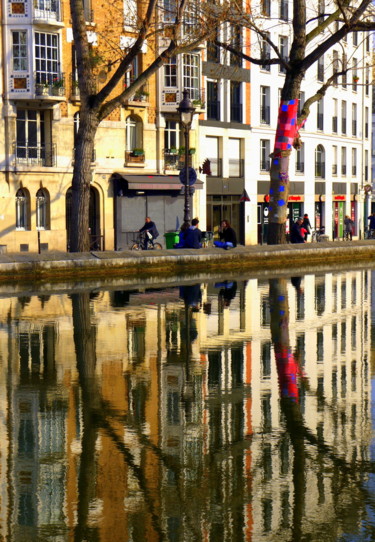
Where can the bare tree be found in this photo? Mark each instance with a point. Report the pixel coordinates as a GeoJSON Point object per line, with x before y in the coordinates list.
{"type": "Point", "coordinates": [182, 32]}
{"type": "Point", "coordinates": [311, 38]}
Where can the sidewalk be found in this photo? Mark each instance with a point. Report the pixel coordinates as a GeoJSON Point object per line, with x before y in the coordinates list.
{"type": "Point", "coordinates": [57, 266]}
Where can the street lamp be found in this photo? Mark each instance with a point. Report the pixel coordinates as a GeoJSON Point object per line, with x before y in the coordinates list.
{"type": "Point", "coordinates": [186, 112]}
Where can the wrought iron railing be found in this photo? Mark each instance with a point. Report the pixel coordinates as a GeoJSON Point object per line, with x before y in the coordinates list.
{"type": "Point", "coordinates": [35, 155]}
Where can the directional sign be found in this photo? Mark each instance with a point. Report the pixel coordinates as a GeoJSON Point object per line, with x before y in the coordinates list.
{"type": "Point", "coordinates": [192, 176]}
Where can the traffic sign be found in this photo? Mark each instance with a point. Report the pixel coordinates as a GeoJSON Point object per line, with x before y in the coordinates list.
{"type": "Point", "coordinates": [192, 176]}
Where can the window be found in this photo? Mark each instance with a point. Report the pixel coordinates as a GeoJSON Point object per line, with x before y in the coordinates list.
{"type": "Point", "coordinates": [264, 155]}
{"type": "Point", "coordinates": [235, 101]}
{"type": "Point", "coordinates": [212, 152]}
{"type": "Point", "coordinates": [22, 209]}
{"type": "Point", "coordinates": [133, 135]}
{"type": "Point", "coordinates": [235, 162]}
{"type": "Point", "coordinates": [20, 62]}
{"type": "Point", "coordinates": [354, 75]}
{"type": "Point", "coordinates": [321, 11]}
{"type": "Point", "coordinates": [366, 165]}
{"type": "Point", "coordinates": [236, 44]}
{"type": "Point", "coordinates": [335, 65]}
{"type": "Point", "coordinates": [47, 9]}
{"type": "Point", "coordinates": [283, 49]}
{"type": "Point", "coordinates": [343, 117]}
{"type": "Point", "coordinates": [265, 105]}
{"type": "Point", "coordinates": [301, 103]}
{"type": "Point", "coordinates": [334, 160]}
{"type": "Point", "coordinates": [47, 57]}
{"type": "Point", "coordinates": [354, 119]}
{"type": "Point", "coordinates": [266, 8]}
{"type": "Point", "coordinates": [320, 162]}
{"type": "Point", "coordinates": [355, 38]}
{"type": "Point", "coordinates": [191, 75]}
{"type": "Point", "coordinates": [213, 50]}
{"type": "Point", "coordinates": [344, 78]}
{"type": "Point", "coordinates": [283, 10]}
{"type": "Point", "coordinates": [42, 209]}
{"type": "Point", "coordinates": [300, 159]}
{"type": "Point", "coordinates": [320, 65]}
{"type": "Point", "coordinates": [213, 103]}
{"type": "Point", "coordinates": [169, 11]}
{"type": "Point", "coordinates": [334, 116]}
{"type": "Point", "coordinates": [171, 135]}
{"type": "Point", "coordinates": [343, 161]}
{"type": "Point", "coordinates": [366, 122]}
{"type": "Point", "coordinates": [319, 112]}
{"type": "Point", "coordinates": [266, 53]}
{"type": "Point", "coordinates": [367, 80]}
{"type": "Point", "coordinates": [170, 73]}
{"type": "Point", "coordinates": [30, 138]}
{"type": "Point", "coordinates": [354, 162]}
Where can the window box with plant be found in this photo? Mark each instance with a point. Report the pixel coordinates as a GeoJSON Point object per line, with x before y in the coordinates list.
{"type": "Point", "coordinates": [138, 152]}
{"type": "Point", "coordinates": [58, 86]}
{"type": "Point", "coordinates": [42, 89]}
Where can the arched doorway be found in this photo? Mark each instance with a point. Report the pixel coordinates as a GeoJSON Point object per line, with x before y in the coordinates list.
{"type": "Point", "coordinates": [96, 239]}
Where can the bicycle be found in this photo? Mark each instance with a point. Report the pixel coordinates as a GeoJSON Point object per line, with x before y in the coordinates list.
{"type": "Point", "coordinates": [317, 234]}
{"type": "Point", "coordinates": [142, 238]}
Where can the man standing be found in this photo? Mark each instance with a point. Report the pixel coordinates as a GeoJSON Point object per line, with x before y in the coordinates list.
{"type": "Point", "coordinates": [193, 235]}
{"type": "Point", "coordinates": [151, 231]}
{"type": "Point", "coordinates": [296, 234]}
{"type": "Point", "coordinates": [306, 225]}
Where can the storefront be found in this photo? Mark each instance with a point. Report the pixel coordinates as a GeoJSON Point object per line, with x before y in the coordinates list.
{"type": "Point", "coordinates": [161, 197]}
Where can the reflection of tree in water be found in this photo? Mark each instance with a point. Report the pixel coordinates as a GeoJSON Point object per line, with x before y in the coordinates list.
{"type": "Point", "coordinates": [348, 493]}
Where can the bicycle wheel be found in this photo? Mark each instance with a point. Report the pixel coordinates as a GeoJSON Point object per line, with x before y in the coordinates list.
{"type": "Point", "coordinates": [135, 246]}
{"type": "Point", "coordinates": [157, 246]}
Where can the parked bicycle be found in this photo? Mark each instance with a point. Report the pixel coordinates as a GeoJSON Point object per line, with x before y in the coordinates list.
{"type": "Point", "coordinates": [139, 243]}
{"type": "Point", "coordinates": [316, 235]}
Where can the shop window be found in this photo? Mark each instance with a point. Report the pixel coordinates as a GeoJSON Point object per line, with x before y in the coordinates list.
{"type": "Point", "coordinates": [22, 210]}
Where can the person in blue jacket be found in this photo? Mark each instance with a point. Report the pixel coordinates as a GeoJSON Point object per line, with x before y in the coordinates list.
{"type": "Point", "coordinates": [193, 235]}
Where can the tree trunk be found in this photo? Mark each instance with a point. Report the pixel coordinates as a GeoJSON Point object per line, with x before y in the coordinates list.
{"type": "Point", "coordinates": [82, 176]}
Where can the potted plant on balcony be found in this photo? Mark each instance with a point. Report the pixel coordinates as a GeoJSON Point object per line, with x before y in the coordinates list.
{"type": "Point", "coordinates": [58, 87]}
{"type": "Point", "coordinates": [138, 152]}
{"type": "Point", "coordinates": [172, 150]}
{"type": "Point", "coordinates": [355, 78]}
{"type": "Point", "coordinates": [141, 96]}
{"type": "Point", "coordinates": [41, 89]}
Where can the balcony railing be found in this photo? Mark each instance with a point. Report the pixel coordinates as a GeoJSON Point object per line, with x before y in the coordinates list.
{"type": "Point", "coordinates": [300, 166]}
{"type": "Point", "coordinates": [236, 112]}
{"type": "Point", "coordinates": [334, 169]}
{"type": "Point", "coordinates": [320, 170]}
{"type": "Point", "coordinates": [319, 121]}
{"type": "Point", "coordinates": [265, 114]}
{"type": "Point", "coordinates": [236, 167]}
{"type": "Point", "coordinates": [343, 126]}
{"type": "Point", "coordinates": [265, 165]}
{"type": "Point", "coordinates": [49, 84]}
{"type": "Point", "coordinates": [175, 161]}
{"type": "Point", "coordinates": [354, 127]}
{"type": "Point", "coordinates": [354, 171]}
{"type": "Point", "coordinates": [343, 169]}
{"type": "Point", "coordinates": [35, 155]}
{"type": "Point", "coordinates": [213, 110]}
{"type": "Point", "coordinates": [140, 95]}
{"type": "Point", "coordinates": [334, 125]}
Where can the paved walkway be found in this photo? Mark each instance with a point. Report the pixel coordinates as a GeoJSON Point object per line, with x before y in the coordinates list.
{"type": "Point", "coordinates": [18, 267]}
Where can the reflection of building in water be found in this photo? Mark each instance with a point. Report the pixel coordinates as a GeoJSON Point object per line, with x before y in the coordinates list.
{"type": "Point", "coordinates": [191, 434]}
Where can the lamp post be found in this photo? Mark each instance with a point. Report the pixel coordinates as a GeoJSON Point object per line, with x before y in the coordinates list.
{"type": "Point", "coordinates": [186, 112]}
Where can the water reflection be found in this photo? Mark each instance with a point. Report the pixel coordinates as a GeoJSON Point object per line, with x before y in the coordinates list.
{"type": "Point", "coordinates": [232, 410]}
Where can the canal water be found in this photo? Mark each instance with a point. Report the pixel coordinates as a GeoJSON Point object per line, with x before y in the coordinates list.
{"type": "Point", "coordinates": [224, 410]}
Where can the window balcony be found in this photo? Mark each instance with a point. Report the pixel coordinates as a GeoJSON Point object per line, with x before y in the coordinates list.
{"type": "Point", "coordinates": [354, 171]}
{"type": "Point", "coordinates": [300, 166]}
{"type": "Point", "coordinates": [334, 125]}
{"type": "Point", "coordinates": [50, 85]}
{"type": "Point", "coordinates": [140, 98]}
{"type": "Point", "coordinates": [343, 169]}
{"type": "Point", "coordinates": [343, 126]}
{"type": "Point", "coordinates": [137, 156]}
{"type": "Point", "coordinates": [319, 122]}
{"type": "Point", "coordinates": [35, 155]}
{"type": "Point", "coordinates": [354, 127]}
{"type": "Point", "coordinates": [175, 160]}
{"type": "Point", "coordinates": [47, 12]}
{"type": "Point", "coordinates": [334, 169]}
{"type": "Point", "coordinates": [236, 112]}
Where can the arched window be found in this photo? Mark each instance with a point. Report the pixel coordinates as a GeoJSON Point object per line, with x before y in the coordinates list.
{"type": "Point", "coordinates": [22, 210]}
{"type": "Point", "coordinates": [320, 162]}
{"type": "Point", "coordinates": [133, 133]}
{"type": "Point", "coordinates": [42, 210]}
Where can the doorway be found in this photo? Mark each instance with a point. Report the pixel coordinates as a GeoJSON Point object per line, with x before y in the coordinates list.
{"type": "Point", "coordinates": [228, 208]}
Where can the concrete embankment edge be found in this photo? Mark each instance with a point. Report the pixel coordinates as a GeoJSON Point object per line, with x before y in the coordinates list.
{"type": "Point", "coordinates": [54, 266]}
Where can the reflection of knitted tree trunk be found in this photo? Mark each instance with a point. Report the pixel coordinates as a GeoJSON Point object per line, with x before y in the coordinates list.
{"type": "Point", "coordinates": [85, 346]}
{"type": "Point", "coordinates": [287, 372]}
